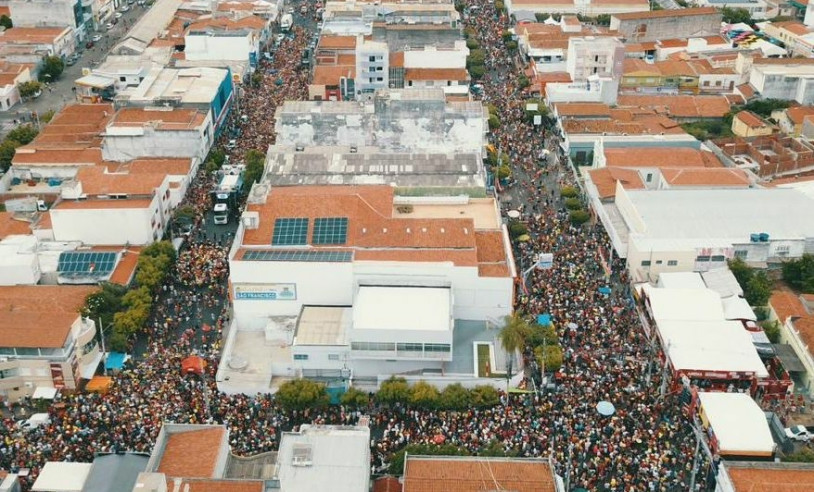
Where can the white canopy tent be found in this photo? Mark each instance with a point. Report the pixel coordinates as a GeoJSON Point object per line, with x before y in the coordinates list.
{"type": "Point", "coordinates": [738, 424]}
{"type": "Point", "coordinates": [684, 304]}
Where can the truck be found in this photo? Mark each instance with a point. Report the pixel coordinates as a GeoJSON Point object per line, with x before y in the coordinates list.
{"type": "Point", "coordinates": [226, 193]}
{"type": "Point", "coordinates": [286, 22]}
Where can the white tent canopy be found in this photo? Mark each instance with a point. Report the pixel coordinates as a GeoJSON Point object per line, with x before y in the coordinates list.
{"type": "Point", "coordinates": [57, 476]}
{"type": "Point", "coordinates": [685, 304]}
{"type": "Point", "coordinates": [681, 280]}
{"type": "Point", "coordinates": [738, 423]}
{"type": "Point", "coordinates": [44, 392]}
{"type": "Point", "coordinates": [738, 308]}
{"type": "Point", "coordinates": [722, 281]}
{"type": "Point", "coordinates": [721, 346]}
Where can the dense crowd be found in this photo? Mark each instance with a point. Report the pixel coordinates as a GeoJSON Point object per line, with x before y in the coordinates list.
{"type": "Point", "coordinates": [646, 445]}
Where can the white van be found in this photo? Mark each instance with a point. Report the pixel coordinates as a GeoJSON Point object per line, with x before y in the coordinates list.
{"type": "Point", "coordinates": [221, 211]}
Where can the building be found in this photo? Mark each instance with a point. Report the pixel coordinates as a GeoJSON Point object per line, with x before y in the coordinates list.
{"type": "Point", "coordinates": [44, 41]}
{"type": "Point", "coordinates": [61, 476]}
{"type": "Point", "coordinates": [53, 347]}
{"type": "Point", "coordinates": [119, 72]}
{"type": "Point", "coordinates": [698, 230]}
{"type": "Point", "coordinates": [681, 108]}
{"type": "Point", "coordinates": [53, 13]}
{"type": "Point", "coordinates": [758, 9]}
{"type": "Point", "coordinates": [795, 313]}
{"type": "Point", "coordinates": [158, 132]}
{"type": "Point", "coordinates": [638, 27]}
{"type": "Point", "coordinates": [120, 203]}
{"type": "Point", "coordinates": [325, 457]}
{"type": "Point", "coordinates": [703, 46]}
{"type": "Point", "coordinates": [791, 120]}
{"type": "Point", "coordinates": [736, 426]}
{"type": "Point", "coordinates": [745, 476]}
{"type": "Point", "coordinates": [747, 124]}
{"type": "Point", "coordinates": [794, 34]}
{"type": "Point", "coordinates": [595, 66]}
{"type": "Point", "coordinates": [590, 8]}
{"type": "Point", "coordinates": [443, 262]}
{"type": "Point", "coordinates": [676, 77]}
{"type": "Point", "coordinates": [771, 156]}
{"type": "Point", "coordinates": [372, 68]}
{"type": "Point", "coordinates": [465, 473]}
{"type": "Point", "coordinates": [11, 76]}
{"type": "Point", "coordinates": [221, 38]}
{"type": "Point", "coordinates": [779, 78]}
{"type": "Point", "coordinates": [393, 121]}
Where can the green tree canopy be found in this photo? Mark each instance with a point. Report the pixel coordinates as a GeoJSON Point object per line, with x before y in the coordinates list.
{"type": "Point", "coordinates": [24, 134]}
{"type": "Point", "coordinates": [396, 466]}
{"type": "Point", "coordinates": [579, 217]}
{"type": "Point", "coordinates": [799, 273]}
{"type": "Point", "coordinates": [394, 390]}
{"type": "Point", "coordinates": [424, 395]}
{"type": "Point", "coordinates": [736, 15]}
{"type": "Point", "coordinates": [30, 88]}
{"type": "Point", "coordinates": [484, 395]}
{"type": "Point", "coordinates": [5, 21]}
{"type": "Point", "coordinates": [255, 164]}
{"type": "Point", "coordinates": [355, 398]}
{"type": "Point", "coordinates": [455, 397]}
{"type": "Point", "coordinates": [52, 67]}
{"type": "Point", "coordinates": [756, 284]}
{"type": "Point", "coordinates": [300, 394]}
{"type": "Point", "coordinates": [8, 148]}
{"type": "Point", "coordinates": [104, 303]}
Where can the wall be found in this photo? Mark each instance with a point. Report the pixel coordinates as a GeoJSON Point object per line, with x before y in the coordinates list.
{"type": "Point", "coordinates": [685, 262]}
{"type": "Point", "coordinates": [215, 47]}
{"type": "Point", "coordinates": [789, 335]}
{"type": "Point", "coordinates": [110, 226]}
{"type": "Point", "coordinates": [318, 357]}
{"type": "Point", "coordinates": [38, 13]}
{"type": "Point", "coordinates": [128, 143]}
{"type": "Point", "coordinates": [640, 30]}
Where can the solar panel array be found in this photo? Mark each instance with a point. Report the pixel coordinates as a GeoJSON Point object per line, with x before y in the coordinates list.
{"type": "Point", "coordinates": [290, 232]}
{"type": "Point", "coordinates": [303, 256]}
{"type": "Point", "coordinates": [86, 263]}
{"type": "Point", "coordinates": [330, 230]}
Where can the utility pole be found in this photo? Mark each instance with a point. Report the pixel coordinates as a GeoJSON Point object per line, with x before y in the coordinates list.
{"type": "Point", "coordinates": [695, 457]}
{"type": "Point", "coordinates": [104, 350]}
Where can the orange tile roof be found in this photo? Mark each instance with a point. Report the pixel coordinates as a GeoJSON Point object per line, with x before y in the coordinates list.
{"type": "Point", "coordinates": [103, 180]}
{"type": "Point", "coordinates": [23, 321]}
{"type": "Point", "coordinates": [679, 106]}
{"type": "Point", "coordinates": [192, 454]}
{"type": "Point", "coordinates": [458, 74]}
{"type": "Point", "coordinates": [770, 480]}
{"type": "Point", "coordinates": [162, 119]}
{"type": "Point", "coordinates": [251, 22]}
{"type": "Point", "coordinates": [750, 119]}
{"type": "Point", "coordinates": [671, 157]}
{"type": "Point", "coordinates": [337, 42]}
{"type": "Point", "coordinates": [102, 204]}
{"type": "Point", "coordinates": [706, 177]}
{"type": "Point", "coordinates": [331, 74]}
{"type": "Point", "coordinates": [10, 226]}
{"type": "Point", "coordinates": [782, 61]}
{"type": "Point", "coordinates": [655, 14]}
{"type": "Point", "coordinates": [126, 267]}
{"type": "Point", "coordinates": [491, 254]}
{"type": "Point", "coordinates": [794, 27]}
{"type": "Point", "coordinates": [605, 180]}
{"type": "Point", "coordinates": [387, 484]}
{"type": "Point", "coordinates": [4, 10]}
{"type": "Point", "coordinates": [797, 114]}
{"type": "Point", "coordinates": [787, 305]}
{"type": "Point", "coordinates": [583, 109]}
{"type": "Point", "coordinates": [396, 59]}
{"type": "Point", "coordinates": [468, 474]}
{"type": "Point", "coordinates": [52, 157]}
{"type": "Point", "coordinates": [33, 35]}
{"type": "Point", "coordinates": [219, 485]}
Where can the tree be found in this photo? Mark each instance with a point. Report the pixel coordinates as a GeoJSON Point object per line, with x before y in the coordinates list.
{"type": "Point", "coordinates": [257, 79]}
{"type": "Point", "coordinates": [758, 290]}
{"type": "Point", "coordinates": [127, 322]}
{"type": "Point", "coordinates": [159, 249]}
{"type": "Point", "coordinates": [472, 44]}
{"type": "Point", "coordinates": [149, 273]}
{"type": "Point", "coordinates": [104, 303]}
{"type": "Point", "coordinates": [772, 330]}
{"type": "Point", "coordinates": [494, 122]}
{"type": "Point", "coordinates": [24, 134]}
{"type": "Point", "coordinates": [579, 217]}
{"type": "Point", "coordinates": [735, 16]}
{"type": "Point", "coordinates": [394, 390]}
{"type": "Point", "coordinates": [396, 466]}
{"type": "Point", "coordinates": [52, 67]}
{"type": "Point", "coordinates": [484, 395]}
{"type": "Point", "coordinates": [455, 397]}
{"type": "Point", "coordinates": [477, 71]}
{"type": "Point", "coordinates": [568, 192]}
{"type": "Point", "coordinates": [765, 107]}
{"type": "Point", "coordinates": [299, 394]}
{"type": "Point", "coordinates": [354, 398]}
{"type": "Point", "coordinates": [551, 355]}
{"type": "Point", "coordinates": [255, 164]}
{"type": "Point", "coordinates": [47, 116]}
{"type": "Point", "coordinates": [5, 21]}
{"type": "Point", "coordinates": [523, 82]}
{"type": "Point", "coordinates": [799, 273]}
{"type": "Point", "coordinates": [805, 455]}
{"type": "Point", "coordinates": [513, 338]}
{"type": "Point", "coordinates": [476, 57]}
{"type": "Point", "coordinates": [29, 89]}
{"type": "Point", "coordinates": [603, 19]}
{"type": "Point", "coordinates": [424, 395]}
{"type": "Point", "coordinates": [117, 342]}
{"type": "Point", "coordinates": [511, 45]}
{"type": "Point", "coordinates": [573, 203]}
{"type": "Point", "coordinates": [8, 148]}
{"type": "Point", "coordinates": [517, 229]}
{"type": "Point", "coordinates": [137, 298]}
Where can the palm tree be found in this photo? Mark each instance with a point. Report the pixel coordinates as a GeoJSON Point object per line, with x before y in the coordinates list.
{"type": "Point", "coordinates": [513, 336]}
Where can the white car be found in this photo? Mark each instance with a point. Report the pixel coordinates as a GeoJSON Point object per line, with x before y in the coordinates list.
{"type": "Point", "coordinates": [798, 433]}
{"type": "Point", "coordinates": [118, 15]}
{"type": "Point", "coordinates": [96, 38]}
{"type": "Point", "coordinates": [126, 8]}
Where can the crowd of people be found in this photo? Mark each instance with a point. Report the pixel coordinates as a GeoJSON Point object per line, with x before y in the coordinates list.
{"type": "Point", "coordinates": [646, 445]}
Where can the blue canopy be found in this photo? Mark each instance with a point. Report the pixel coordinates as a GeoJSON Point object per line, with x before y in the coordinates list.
{"type": "Point", "coordinates": [544, 319]}
{"type": "Point", "coordinates": [604, 290]}
{"type": "Point", "coordinates": [115, 360]}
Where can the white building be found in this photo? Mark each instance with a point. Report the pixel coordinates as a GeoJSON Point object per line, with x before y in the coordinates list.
{"type": "Point", "coordinates": [51, 13]}
{"type": "Point", "coordinates": [372, 67]}
{"type": "Point", "coordinates": [791, 79]}
{"type": "Point", "coordinates": [135, 133]}
{"type": "Point", "coordinates": [341, 278]}
{"type": "Point", "coordinates": [590, 8]}
{"type": "Point", "coordinates": [220, 38]}
{"type": "Point", "coordinates": [697, 230]}
{"type": "Point", "coordinates": [598, 56]}
{"type": "Point", "coordinates": [758, 9]}
{"type": "Point", "coordinates": [49, 347]}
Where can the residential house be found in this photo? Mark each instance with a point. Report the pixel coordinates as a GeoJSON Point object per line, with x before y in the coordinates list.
{"type": "Point", "coordinates": [791, 120]}
{"type": "Point", "coordinates": [53, 13]}
{"type": "Point", "coordinates": [221, 38]}
{"type": "Point", "coordinates": [778, 78]}
{"type": "Point", "coordinates": [590, 8]}
{"type": "Point", "coordinates": [795, 314]}
{"type": "Point", "coordinates": [44, 41]}
{"type": "Point", "coordinates": [424, 473]}
{"type": "Point", "coordinates": [747, 124]}
{"type": "Point", "coordinates": [798, 37]}
{"type": "Point", "coordinates": [758, 9]}
{"type": "Point", "coordinates": [11, 76]}
{"type": "Point", "coordinates": [676, 77]}
{"type": "Point", "coordinates": [680, 108]}
{"type": "Point", "coordinates": [646, 25]}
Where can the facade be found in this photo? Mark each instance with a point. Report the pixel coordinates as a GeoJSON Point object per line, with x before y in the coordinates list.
{"type": "Point", "coordinates": [372, 68]}
{"type": "Point", "coordinates": [11, 76]}
{"type": "Point", "coordinates": [644, 26]}
{"type": "Point", "coordinates": [595, 56]}
{"type": "Point", "coordinates": [791, 120]}
{"type": "Point", "coordinates": [676, 77]}
{"type": "Point", "coordinates": [795, 314]}
{"type": "Point", "coordinates": [218, 38]}
{"type": "Point", "coordinates": [758, 9]}
{"type": "Point", "coordinates": [590, 8]}
{"type": "Point", "coordinates": [53, 347]}
{"type": "Point", "coordinates": [784, 79]}
{"type": "Point", "coordinates": [50, 41]}
{"type": "Point", "coordinates": [747, 124]}
{"type": "Point", "coordinates": [52, 13]}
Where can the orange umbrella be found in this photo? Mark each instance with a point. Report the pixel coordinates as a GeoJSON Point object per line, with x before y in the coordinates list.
{"type": "Point", "coordinates": [193, 365]}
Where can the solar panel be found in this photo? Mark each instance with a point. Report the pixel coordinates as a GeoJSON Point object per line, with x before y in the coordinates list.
{"type": "Point", "coordinates": [330, 230]}
{"type": "Point", "coordinates": [300, 256]}
{"type": "Point", "coordinates": [289, 232]}
{"type": "Point", "coordinates": [86, 263]}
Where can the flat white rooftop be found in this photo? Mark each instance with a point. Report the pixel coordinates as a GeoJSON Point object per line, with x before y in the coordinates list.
{"type": "Point", "coordinates": [681, 280]}
{"type": "Point", "coordinates": [684, 304]}
{"type": "Point", "coordinates": [738, 423]}
{"type": "Point", "coordinates": [729, 215]}
{"type": "Point", "coordinates": [323, 325]}
{"type": "Point", "coordinates": [57, 476]}
{"type": "Point", "coordinates": [403, 308]}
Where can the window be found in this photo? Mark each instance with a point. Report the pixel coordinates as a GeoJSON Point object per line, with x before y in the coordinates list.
{"type": "Point", "coordinates": [409, 83]}
{"type": "Point", "coordinates": [8, 373]}
{"type": "Point", "coordinates": [436, 347]}
{"type": "Point", "coordinates": [374, 346]}
{"type": "Point", "coordinates": [122, 79]}
{"type": "Point", "coordinates": [645, 262]}
{"type": "Point", "coordinates": [379, 79]}
{"type": "Point", "coordinates": [333, 356]}
{"type": "Point", "coordinates": [649, 177]}
{"type": "Point", "coordinates": [672, 262]}
{"type": "Point", "coordinates": [300, 356]}
{"type": "Point", "coordinates": [741, 253]}
{"type": "Point", "coordinates": [371, 58]}
{"type": "Point", "coordinates": [410, 347]}
{"type": "Point", "coordinates": [718, 258]}
{"type": "Point", "coordinates": [702, 258]}
{"type": "Point", "coordinates": [659, 262]}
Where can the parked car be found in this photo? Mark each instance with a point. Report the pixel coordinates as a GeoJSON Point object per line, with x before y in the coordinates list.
{"type": "Point", "coordinates": [118, 15]}
{"type": "Point", "coordinates": [798, 433]}
{"type": "Point", "coordinates": [109, 26]}
{"type": "Point", "coordinates": [96, 38]}
{"type": "Point", "coordinates": [126, 8]}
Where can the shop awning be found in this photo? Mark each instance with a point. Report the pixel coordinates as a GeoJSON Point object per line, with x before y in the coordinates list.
{"type": "Point", "coordinates": [115, 361]}
{"type": "Point", "coordinates": [89, 370]}
{"type": "Point", "coordinates": [788, 357]}
{"type": "Point", "coordinates": [99, 384]}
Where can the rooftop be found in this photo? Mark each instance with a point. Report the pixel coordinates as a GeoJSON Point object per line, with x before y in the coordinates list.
{"type": "Point", "coordinates": [655, 14]}
{"type": "Point", "coordinates": [672, 157]}
{"type": "Point", "coordinates": [33, 35]}
{"type": "Point", "coordinates": [103, 180]}
{"type": "Point", "coordinates": [770, 477]}
{"type": "Point", "coordinates": [467, 474]}
{"type": "Point", "coordinates": [798, 113]}
{"type": "Point", "coordinates": [689, 107]}
{"type": "Point", "coordinates": [323, 325]}
{"type": "Point", "coordinates": [738, 422]}
{"type": "Point", "coordinates": [583, 109]}
{"type": "Point", "coordinates": [706, 177]}
{"type": "Point", "coordinates": [751, 120]}
{"type": "Point", "coordinates": [191, 453]}
{"type": "Point", "coordinates": [160, 118]}
{"type": "Point", "coordinates": [9, 225]}
{"type": "Point", "coordinates": [23, 322]}
{"type": "Point", "coordinates": [605, 180]}
{"type": "Point", "coordinates": [403, 308]}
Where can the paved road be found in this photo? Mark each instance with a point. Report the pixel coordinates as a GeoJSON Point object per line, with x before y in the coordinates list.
{"type": "Point", "coordinates": [60, 92]}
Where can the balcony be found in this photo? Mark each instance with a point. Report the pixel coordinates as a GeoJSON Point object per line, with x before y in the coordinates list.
{"type": "Point", "coordinates": [86, 333]}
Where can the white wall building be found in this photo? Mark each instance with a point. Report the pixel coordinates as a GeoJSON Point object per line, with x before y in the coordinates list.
{"type": "Point", "coordinates": [601, 56]}
{"type": "Point", "coordinates": [219, 38]}
{"type": "Point", "coordinates": [372, 67]}
{"type": "Point", "coordinates": [51, 13]}
{"type": "Point", "coordinates": [784, 79]}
